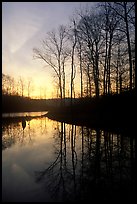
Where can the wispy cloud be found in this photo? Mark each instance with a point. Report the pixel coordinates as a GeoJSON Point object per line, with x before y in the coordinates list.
{"type": "Point", "coordinates": [24, 25]}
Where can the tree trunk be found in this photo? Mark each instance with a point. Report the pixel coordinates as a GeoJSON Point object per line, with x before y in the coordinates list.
{"type": "Point", "coordinates": [72, 73]}
{"type": "Point", "coordinates": [97, 72]}
{"type": "Point", "coordinates": [129, 46]}
{"type": "Point", "coordinates": [81, 83]}
{"type": "Point", "coordinates": [105, 67]}
{"type": "Point", "coordinates": [109, 63]}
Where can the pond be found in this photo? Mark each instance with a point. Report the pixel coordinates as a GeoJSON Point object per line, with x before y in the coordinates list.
{"type": "Point", "coordinates": [51, 161]}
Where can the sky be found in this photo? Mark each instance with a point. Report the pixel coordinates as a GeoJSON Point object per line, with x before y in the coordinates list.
{"type": "Point", "coordinates": [24, 26]}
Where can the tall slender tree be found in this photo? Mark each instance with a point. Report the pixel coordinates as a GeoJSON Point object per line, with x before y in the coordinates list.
{"type": "Point", "coordinates": [124, 9]}
{"type": "Point", "coordinates": [54, 53]}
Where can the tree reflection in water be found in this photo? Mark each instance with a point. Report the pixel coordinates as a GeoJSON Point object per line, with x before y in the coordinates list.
{"type": "Point", "coordinates": [16, 133]}
{"type": "Point", "coordinates": [90, 164]}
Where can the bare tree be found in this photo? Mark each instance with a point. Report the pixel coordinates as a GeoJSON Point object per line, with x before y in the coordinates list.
{"type": "Point", "coordinates": [88, 46]}
{"type": "Point", "coordinates": [90, 26]}
{"type": "Point", "coordinates": [101, 41]}
{"type": "Point", "coordinates": [125, 11]}
{"type": "Point", "coordinates": [5, 87]}
{"type": "Point", "coordinates": [8, 84]}
{"type": "Point", "coordinates": [29, 86]}
{"type": "Point", "coordinates": [110, 25]}
{"type": "Point", "coordinates": [54, 53]}
{"type": "Point", "coordinates": [80, 51]}
{"type": "Point", "coordinates": [73, 39]}
{"type": "Point", "coordinates": [22, 86]}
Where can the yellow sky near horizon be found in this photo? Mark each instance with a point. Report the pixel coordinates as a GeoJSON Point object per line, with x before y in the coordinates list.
{"type": "Point", "coordinates": [24, 26]}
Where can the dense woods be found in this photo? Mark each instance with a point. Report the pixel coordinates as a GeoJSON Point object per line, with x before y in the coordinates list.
{"type": "Point", "coordinates": [98, 48]}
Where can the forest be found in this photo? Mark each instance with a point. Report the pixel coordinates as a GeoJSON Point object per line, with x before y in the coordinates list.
{"type": "Point", "coordinates": [98, 48]}
{"type": "Point", "coordinates": [92, 57]}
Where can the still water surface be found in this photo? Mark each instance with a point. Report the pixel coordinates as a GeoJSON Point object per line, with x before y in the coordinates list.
{"type": "Point", "coordinates": [49, 161]}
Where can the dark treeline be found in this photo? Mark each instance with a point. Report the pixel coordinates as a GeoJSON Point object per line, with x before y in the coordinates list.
{"type": "Point", "coordinates": [115, 111]}
{"type": "Point", "coordinates": [20, 87]}
{"type": "Point", "coordinates": [15, 103]}
{"type": "Point", "coordinates": [109, 111]}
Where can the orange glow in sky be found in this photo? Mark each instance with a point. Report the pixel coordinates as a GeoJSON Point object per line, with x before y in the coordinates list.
{"type": "Point", "coordinates": [24, 26]}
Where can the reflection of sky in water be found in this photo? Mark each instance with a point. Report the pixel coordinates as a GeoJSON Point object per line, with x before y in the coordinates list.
{"type": "Point", "coordinates": [42, 143]}
{"type": "Point", "coordinates": [23, 114]}
{"type": "Point", "coordinates": [31, 150]}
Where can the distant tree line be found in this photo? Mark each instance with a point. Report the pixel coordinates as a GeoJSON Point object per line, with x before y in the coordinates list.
{"type": "Point", "coordinates": [19, 87]}
{"type": "Point", "coordinates": [98, 48]}
{"type": "Point", "coordinates": [16, 103]}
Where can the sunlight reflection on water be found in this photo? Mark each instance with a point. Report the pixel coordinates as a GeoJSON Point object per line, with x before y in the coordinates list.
{"type": "Point", "coordinates": [50, 161]}
{"type": "Point", "coordinates": [4, 115]}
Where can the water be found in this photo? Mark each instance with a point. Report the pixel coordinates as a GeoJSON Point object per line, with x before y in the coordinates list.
{"type": "Point", "coordinates": [49, 161]}
{"type": "Point", "coordinates": [22, 114]}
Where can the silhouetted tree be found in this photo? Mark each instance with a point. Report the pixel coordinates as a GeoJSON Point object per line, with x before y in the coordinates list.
{"type": "Point", "coordinates": [73, 39]}
{"type": "Point", "coordinates": [22, 86]}
{"type": "Point", "coordinates": [102, 41]}
{"type": "Point", "coordinates": [54, 53]}
{"type": "Point", "coordinates": [29, 86]}
{"type": "Point", "coordinates": [110, 25]}
{"type": "Point", "coordinates": [90, 26]}
{"type": "Point", "coordinates": [8, 84]}
{"type": "Point", "coordinates": [126, 11]}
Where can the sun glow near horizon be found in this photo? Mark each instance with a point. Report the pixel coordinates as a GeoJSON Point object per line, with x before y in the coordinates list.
{"type": "Point", "coordinates": [24, 25]}
{"type": "Point", "coordinates": [43, 87]}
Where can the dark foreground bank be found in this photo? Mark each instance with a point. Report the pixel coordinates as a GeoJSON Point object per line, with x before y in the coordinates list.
{"type": "Point", "coordinates": [112, 111]}
{"type": "Point", "coordinates": [115, 111]}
